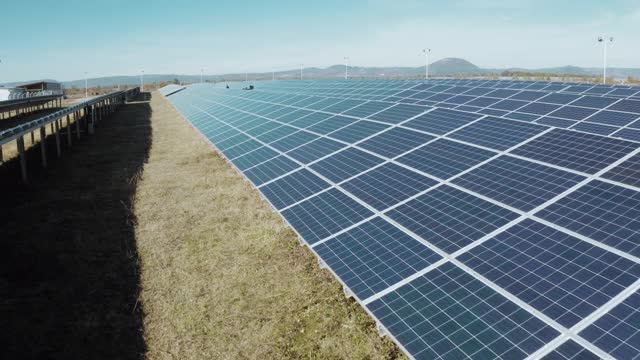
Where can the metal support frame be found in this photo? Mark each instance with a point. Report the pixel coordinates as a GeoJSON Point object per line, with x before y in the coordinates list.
{"type": "Point", "coordinates": [43, 146]}
{"type": "Point", "coordinates": [23, 159]}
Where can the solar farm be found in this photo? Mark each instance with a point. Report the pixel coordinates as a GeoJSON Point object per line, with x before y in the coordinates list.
{"type": "Point", "coordinates": [470, 218]}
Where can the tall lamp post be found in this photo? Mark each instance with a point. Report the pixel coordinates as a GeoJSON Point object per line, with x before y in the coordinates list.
{"type": "Point", "coordinates": [346, 67]}
{"type": "Point", "coordinates": [142, 81]}
{"type": "Point", "coordinates": [604, 67]}
{"type": "Point", "coordinates": [86, 88]}
{"type": "Point", "coordinates": [426, 64]}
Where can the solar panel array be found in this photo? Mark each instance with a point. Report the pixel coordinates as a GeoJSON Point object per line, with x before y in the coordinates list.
{"type": "Point", "coordinates": [170, 89]}
{"type": "Point", "coordinates": [465, 233]}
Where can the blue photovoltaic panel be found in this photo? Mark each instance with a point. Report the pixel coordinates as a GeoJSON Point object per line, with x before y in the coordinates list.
{"type": "Point", "coordinates": [309, 120]}
{"type": "Point", "coordinates": [315, 150]}
{"type": "Point", "coordinates": [478, 91]}
{"type": "Point", "coordinates": [323, 103]}
{"type": "Point", "coordinates": [508, 105]}
{"type": "Point", "coordinates": [328, 213]}
{"type": "Point", "coordinates": [265, 127]}
{"type": "Point", "coordinates": [502, 93]}
{"type": "Point", "coordinates": [395, 141]}
{"type": "Point", "coordinates": [345, 164]}
{"type": "Point", "coordinates": [573, 113]}
{"type": "Point", "coordinates": [528, 95]}
{"type": "Point", "coordinates": [293, 141]}
{"type": "Point", "coordinates": [575, 150]}
{"type": "Point", "coordinates": [444, 158]}
{"type": "Point", "coordinates": [596, 102]}
{"type": "Point", "coordinates": [293, 188]}
{"type": "Point", "coordinates": [539, 108]}
{"type": "Point", "coordinates": [483, 102]}
{"type": "Point", "coordinates": [628, 172]}
{"type": "Point", "coordinates": [498, 134]}
{"type": "Point", "coordinates": [632, 106]}
{"type": "Point", "coordinates": [309, 101]}
{"type": "Point", "coordinates": [367, 109]}
{"type": "Point", "coordinates": [449, 314]}
{"type": "Point", "coordinates": [343, 106]}
{"type": "Point", "coordinates": [612, 118]}
{"type": "Point", "coordinates": [618, 331]}
{"type": "Point", "coordinates": [493, 112]}
{"type": "Point", "coordinates": [358, 131]}
{"type": "Point", "coordinates": [280, 113]}
{"type": "Point", "coordinates": [253, 158]}
{"type": "Point", "coordinates": [232, 141]}
{"type": "Point", "coordinates": [604, 212]}
{"type": "Point", "coordinates": [522, 116]}
{"type": "Point", "coordinates": [241, 149]}
{"type": "Point", "coordinates": [449, 218]}
{"type": "Point", "coordinates": [594, 128]}
{"type": "Point", "coordinates": [441, 121]}
{"type": "Point", "coordinates": [560, 99]}
{"type": "Point", "coordinates": [270, 170]}
{"type": "Point", "coordinates": [398, 113]}
{"type": "Point", "coordinates": [331, 124]}
{"type": "Point", "coordinates": [295, 115]}
{"type": "Point", "coordinates": [387, 185]}
{"type": "Point", "coordinates": [561, 123]}
{"type": "Point", "coordinates": [460, 99]}
{"type": "Point", "coordinates": [570, 350]}
{"type": "Point", "coordinates": [440, 97]}
{"type": "Point", "coordinates": [373, 256]}
{"type": "Point", "coordinates": [276, 134]}
{"type": "Point", "coordinates": [628, 134]}
{"type": "Point", "coordinates": [518, 183]}
{"type": "Point", "coordinates": [561, 276]}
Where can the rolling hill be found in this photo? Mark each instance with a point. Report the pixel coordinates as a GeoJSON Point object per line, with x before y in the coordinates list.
{"type": "Point", "coordinates": [447, 66]}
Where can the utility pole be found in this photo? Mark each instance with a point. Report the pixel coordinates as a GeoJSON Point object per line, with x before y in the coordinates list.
{"type": "Point", "coordinates": [346, 67]}
{"type": "Point", "coordinates": [604, 67]}
{"type": "Point", "coordinates": [426, 65]}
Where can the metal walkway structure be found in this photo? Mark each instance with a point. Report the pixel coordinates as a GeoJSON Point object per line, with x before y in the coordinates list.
{"type": "Point", "coordinates": [85, 116]}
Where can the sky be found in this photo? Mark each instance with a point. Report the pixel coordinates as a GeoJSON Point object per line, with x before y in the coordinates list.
{"type": "Point", "coordinates": [64, 39]}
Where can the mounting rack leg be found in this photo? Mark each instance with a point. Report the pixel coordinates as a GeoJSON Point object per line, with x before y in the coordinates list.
{"type": "Point", "coordinates": [382, 331]}
{"type": "Point", "coordinates": [347, 292]}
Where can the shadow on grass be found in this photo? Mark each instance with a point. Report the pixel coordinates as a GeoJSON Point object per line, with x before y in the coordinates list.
{"type": "Point", "coordinates": [69, 273]}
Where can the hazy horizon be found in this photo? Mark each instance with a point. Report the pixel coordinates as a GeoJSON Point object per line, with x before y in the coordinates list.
{"type": "Point", "coordinates": [121, 38]}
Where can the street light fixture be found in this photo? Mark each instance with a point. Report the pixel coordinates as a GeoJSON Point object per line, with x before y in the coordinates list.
{"type": "Point", "coordinates": [604, 68]}
{"type": "Point", "coordinates": [426, 65]}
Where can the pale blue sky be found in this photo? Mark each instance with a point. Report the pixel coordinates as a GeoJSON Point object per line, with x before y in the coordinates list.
{"type": "Point", "coordinates": [63, 39]}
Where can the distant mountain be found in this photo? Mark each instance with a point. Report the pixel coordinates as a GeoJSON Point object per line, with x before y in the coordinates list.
{"type": "Point", "coordinates": [443, 67]}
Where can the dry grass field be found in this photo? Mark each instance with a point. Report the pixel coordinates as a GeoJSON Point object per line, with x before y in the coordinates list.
{"type": "Point", "coordinates": [222, 277]}
{"type": "Point", "coordinates": [142, 242]}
